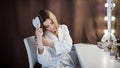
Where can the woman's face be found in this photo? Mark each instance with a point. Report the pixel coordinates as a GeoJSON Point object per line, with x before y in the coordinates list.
{"type": "Point", "coordinates": [50, 26]}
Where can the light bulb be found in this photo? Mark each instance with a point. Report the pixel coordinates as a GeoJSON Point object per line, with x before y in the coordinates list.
{"type": "Point", "coordinates": [112, 31]}
{"type": "Point", "coordinates": [113, 18]}
{"type": "Point", "coordinates": [105, 31]}
{"type": "Point", "coordinates": [113, 4]}
{"type": "Point", "coordinates": [105, 18]}
{"type": "Point", "coordinates": [106, 4]}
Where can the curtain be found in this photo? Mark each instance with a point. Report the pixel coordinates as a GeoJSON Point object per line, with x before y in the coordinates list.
{"type": "Point", "coordinates": [84, 18]}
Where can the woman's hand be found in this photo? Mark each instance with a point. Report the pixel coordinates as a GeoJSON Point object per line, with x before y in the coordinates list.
{"type": "Point", "coordinates": [48, 42]}
{"type": "Point", "coordinates": [39, 33]}
{"type": "Point", "coordinates": [42, 40]}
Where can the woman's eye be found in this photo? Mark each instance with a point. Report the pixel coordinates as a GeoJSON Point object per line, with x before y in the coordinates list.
{"type": "Point", "coordinates": [51, 22]}
{"type": "Point", "coordinates": [46, 26]}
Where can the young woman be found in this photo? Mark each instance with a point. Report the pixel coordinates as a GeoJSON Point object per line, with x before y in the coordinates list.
{"type": "Point", "coordinates": [53, 42]}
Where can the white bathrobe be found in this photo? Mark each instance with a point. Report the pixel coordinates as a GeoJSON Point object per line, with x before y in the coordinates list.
{"type": "Point", "coordinates": [58, 57]}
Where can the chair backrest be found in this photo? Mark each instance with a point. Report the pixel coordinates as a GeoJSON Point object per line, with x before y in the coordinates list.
{"type": "Point", "coordinates": [31, 50]}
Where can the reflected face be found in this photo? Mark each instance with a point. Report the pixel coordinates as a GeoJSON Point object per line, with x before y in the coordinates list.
{"type": "Point", "coordinates": [50, 26]}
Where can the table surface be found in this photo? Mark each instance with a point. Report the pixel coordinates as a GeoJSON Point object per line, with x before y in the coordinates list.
{"type": "Point", "coordinates": [90, 56]}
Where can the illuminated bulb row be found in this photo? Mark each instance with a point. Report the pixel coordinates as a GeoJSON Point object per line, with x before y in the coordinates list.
{"type": "Point", "coordinates": [106, 31]}
{"type": "Point", "coordinates": [106, 18]}
{"type": "Point", "coordinates": [106, 5]}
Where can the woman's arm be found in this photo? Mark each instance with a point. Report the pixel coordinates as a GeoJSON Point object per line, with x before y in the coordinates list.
{"type": "Point", "coordinates": [39, 36]}
{"type": "Point", "coordinates": [43, 55]}
{"type": "Point", "coordinates": [47, 42]}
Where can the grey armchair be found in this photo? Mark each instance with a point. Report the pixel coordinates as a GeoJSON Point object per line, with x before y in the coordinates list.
{"type": "Point", "coordinates": [31, 51]}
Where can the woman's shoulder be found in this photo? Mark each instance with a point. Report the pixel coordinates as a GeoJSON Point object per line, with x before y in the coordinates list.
{"type": "Point", "coordinates": [63, 26]}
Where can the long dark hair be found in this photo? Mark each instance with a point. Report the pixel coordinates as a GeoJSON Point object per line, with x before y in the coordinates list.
{"type": "Point", "coordinates": [43, 15]}
{"type": "Point", "coordinates": [46, 14]}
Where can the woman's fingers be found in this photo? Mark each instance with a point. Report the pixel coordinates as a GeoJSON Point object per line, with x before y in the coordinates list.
{"type": "Point", "coordinates": [39, 34]}
{"type": "Point", "coordinates": [39, 31]}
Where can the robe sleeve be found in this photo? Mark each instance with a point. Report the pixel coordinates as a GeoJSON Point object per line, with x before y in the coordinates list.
{"type": "Point", "coordinates": [65, 45]}
{"type": "Point", "coordinates": [44, 58]}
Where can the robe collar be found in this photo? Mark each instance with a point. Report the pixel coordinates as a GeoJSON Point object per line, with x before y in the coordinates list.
{"type": "Point", "coordinates": [54, 37]}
